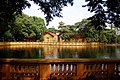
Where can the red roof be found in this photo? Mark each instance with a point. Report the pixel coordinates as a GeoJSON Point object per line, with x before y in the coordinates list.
{"type": "Point", "coordinates": [50, 33]}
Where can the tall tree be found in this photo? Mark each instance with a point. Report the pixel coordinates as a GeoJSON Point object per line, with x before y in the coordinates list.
{"type": "Point", "coordinates": [106, 11]}
{"type": "Point", "coordinates": [25, 26]}
{"type": "Point", "coordinates": [8, 8]}
{"type": "Point", "coordinates": [64, 31]}
{"type": "Point", "coordinates": [52, 30]}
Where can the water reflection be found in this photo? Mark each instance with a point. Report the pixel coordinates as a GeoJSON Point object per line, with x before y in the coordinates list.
{"type": "Point", "coordinates": [117, 52]}
{"type": "Point", "coordinates": [55, 52]}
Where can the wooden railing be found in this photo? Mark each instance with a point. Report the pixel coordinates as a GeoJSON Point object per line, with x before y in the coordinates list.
{"type": "Point", "coordinates": [59, 69]}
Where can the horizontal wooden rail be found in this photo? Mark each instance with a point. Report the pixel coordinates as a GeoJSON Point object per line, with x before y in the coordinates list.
{"type": "Point", "coordinates": [55, 69]}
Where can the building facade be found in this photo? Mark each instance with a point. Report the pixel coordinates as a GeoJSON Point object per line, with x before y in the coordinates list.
{"type": "Point", "coordinates": [50, 37]}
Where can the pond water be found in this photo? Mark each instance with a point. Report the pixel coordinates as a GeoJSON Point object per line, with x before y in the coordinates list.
{"type": "Point", "coordinates": [59, 52]}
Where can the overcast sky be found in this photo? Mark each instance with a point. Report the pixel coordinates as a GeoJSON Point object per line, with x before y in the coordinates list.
{"type": "Point", "coordinates": [71, 14]}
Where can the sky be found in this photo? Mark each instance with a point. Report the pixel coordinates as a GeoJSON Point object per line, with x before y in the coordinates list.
{"type": "Point", "coordinates": [71, 14]}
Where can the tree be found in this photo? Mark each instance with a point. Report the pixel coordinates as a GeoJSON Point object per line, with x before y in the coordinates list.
{"type": "Point", "coordinates": [25, 26]}
{"type": "Point", "coordinates": [38, 27]}
{"type": "Point", "coordinates": [8, 36]}
{"type": "Point", "coordinates": [64, 31]}
{"type": "Point", "coordinates": [10, 8]}
{"type": "Point", "coordinates": [64, 28]}
{"type": "Point", "coordinates": [53, 30]}
{"type": "Point", "coordinates": [83, 26]}
{"type": "Point", "coordinates": [61, 25]}
{"type": "Point", "coordinates": [93, 34]}
{"type": "Point", "coordinates": [106, 11]}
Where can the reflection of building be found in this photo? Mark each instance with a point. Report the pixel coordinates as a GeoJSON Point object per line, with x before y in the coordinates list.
{"type": "Point", "coordinates": [51, 52]}
{"type": "Point", "coordinates": [50, 37]}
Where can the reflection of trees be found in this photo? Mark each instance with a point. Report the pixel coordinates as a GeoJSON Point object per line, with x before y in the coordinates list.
{"type": "Point", "coordinates": [88, 52]}
{"type": "Point", "coordinates": [64, 52]}
{"type": "Point", "coordinates": [107, 52]}
{"type": "Point", "coordinates": [76, 52]}
{"type": "Point", "coordinates": [41, 54]}
{"type": "Point", "coordinates": [117, 52]}
{"type": "Point", "coordinates": [19, 53]}
{"type": "Point", "coordinates": [54, 52]}
{"type": "Point", "coordinates": [5, 53]}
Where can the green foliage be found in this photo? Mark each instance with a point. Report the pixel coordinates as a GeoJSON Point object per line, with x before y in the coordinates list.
{"type": "Point", "coordinates": [52, 8]}
{"type": "Point", "coordinates": [118, 39]}
{"type": "Point", "coordinates": [106, 11]}
{"type": "Point", "coordinates": [65, 36]}
{"type": "Point", "coordinates": [41, 38]}
{"type": "Point", "coordinates": [65, 31]}
{"type": "Point", "coordinates": [90, 32]}
{"type": "Point", "coordinates": [96, 34]}
{"type": "Point", "coordinates": [8, 36]}
{"type": "Point", "coordinates": [53, 30]}
{"type": "Point", "coordinates": [25, 26]}
{"type": "Point", "coordinates": [10, 8]}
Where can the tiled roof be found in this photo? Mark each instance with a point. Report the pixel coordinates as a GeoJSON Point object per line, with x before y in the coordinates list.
{"type": "Point", "coordinates": [50, 33]}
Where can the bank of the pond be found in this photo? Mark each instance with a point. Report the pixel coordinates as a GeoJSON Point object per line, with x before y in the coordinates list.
{"type": "Point", "coordinates": [55, 43]}
{"type": "Point", "coordinates": [48, 43]}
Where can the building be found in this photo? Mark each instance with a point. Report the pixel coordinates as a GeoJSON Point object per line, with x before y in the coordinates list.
{"type": "Point", "coordinates": [50, 37]}
{"type": "Point", "coordinates": [77, 38]}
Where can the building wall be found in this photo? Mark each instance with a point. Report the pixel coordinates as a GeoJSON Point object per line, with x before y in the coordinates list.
{"type": "Point", "coordinates": [78, 40]}
{"type": "Point", "coordinates": [50, 38]}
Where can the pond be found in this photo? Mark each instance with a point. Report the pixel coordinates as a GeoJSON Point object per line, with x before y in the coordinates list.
{"type": "Point", "coordinates": [59, 52]}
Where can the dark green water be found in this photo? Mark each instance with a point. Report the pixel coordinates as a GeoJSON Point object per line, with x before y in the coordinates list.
{"type": "Point", "coordinates": [59, 52]}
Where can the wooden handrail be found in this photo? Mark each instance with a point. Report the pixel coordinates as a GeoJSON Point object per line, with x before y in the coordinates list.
{"type": "Point", "coordinates": [38, 69]}
{"type": "Point", "coordinates": [83, 60]}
